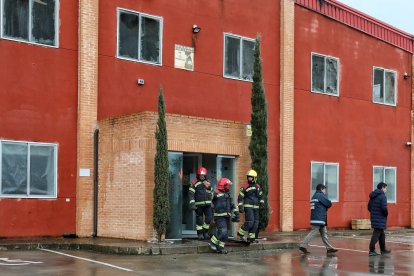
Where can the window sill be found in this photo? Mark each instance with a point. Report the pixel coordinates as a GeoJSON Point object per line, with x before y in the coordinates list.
{"type": "Point", "coordinates": [327, 94]}
{"type": "Point", "coordinates": [234, 78]}
{"type": "Point", "coordinates": [139, 61]}
{"type": "Point", "coordinates": [29, 42]}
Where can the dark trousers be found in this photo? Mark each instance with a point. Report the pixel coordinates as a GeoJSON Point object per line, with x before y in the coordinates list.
{"type": "Point", "coordinates": [377, 235]}
{"type": "Point", "coordinates": [204, 215]}
{"type": "Point", "coordinates": [251, 221]}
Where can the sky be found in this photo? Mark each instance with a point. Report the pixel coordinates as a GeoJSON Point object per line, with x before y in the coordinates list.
{"type": "Point", "coordinates": [398, 13]}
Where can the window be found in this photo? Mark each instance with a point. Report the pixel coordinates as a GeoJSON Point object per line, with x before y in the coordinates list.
{"type": "Point", "coordinates": [139, 37]}
{"type": "Point", "coordinates": [388, 175]}
{"type": "Point", "coordinates": [326, 174]}
{"type": "Point", "coordinates": [383, 88]}
{"type": "Point", "coordinates": [238, 57]}
{"type": "Point", "coordinates": [325, 74]}
{"type": "Point", "coordinates": [28, 170]}
{"type": "Point", "coordinates": [34, 21]}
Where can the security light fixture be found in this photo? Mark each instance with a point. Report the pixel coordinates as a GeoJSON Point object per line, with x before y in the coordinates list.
{"type": "Point", "coordinates": [406, 76]}
{"type": "Point", "coordinates": [196, 29]}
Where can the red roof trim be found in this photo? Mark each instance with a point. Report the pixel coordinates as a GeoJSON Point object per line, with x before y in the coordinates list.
{"type": "Point", "coordinates": [361, 21]}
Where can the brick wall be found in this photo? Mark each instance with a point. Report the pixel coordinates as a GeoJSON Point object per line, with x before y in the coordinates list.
{"type": "Point", "coordinates": [126, 162]}
{"type": "Point", "coordinates": [286, 113]}
{"type": "Point", "coordinates": [87, 112]}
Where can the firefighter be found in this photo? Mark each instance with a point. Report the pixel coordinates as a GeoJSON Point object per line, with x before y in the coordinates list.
{"type": "Point", "coordinates": [249, 202]}
{"type": "Point", "coordinates": [224, 209]}
{"type": "Point", "coordinates": [200, 201]}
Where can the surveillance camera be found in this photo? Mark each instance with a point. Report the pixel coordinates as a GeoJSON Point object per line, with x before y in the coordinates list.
{"type": "Point", "coordinates": [406, 75]}
{"type": "Point", "coordinates": [141, 82]}
{"type": "Point", "coordinates": [408, 144]}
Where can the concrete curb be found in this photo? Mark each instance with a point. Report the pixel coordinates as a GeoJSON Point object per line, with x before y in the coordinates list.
{"type": "Point", "coordinates": [150, 250]}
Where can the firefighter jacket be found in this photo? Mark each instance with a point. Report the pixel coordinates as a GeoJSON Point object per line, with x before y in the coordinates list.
{"type": "Point", "coordinates": [223, 204]}
{"type": "Point", "coordinates": [199, 193]}
{"type": "Point", "coordinates": [250, 196]}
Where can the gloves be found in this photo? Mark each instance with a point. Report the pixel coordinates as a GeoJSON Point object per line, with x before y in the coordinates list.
{"type": "Point", "coordinates": [193, 206]}
{"type": "Point", "coordinates": [262, 205]}
{"type": "Point", "coordinates": [236, 217]}
{"type": "Point", "coordinates": [241, 209]}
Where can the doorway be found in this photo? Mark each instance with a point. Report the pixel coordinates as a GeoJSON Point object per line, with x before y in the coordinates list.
{"type": "Point", "coordinates": [182, 171]}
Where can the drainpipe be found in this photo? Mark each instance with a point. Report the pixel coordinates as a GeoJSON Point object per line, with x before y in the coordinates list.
{"type": "Point", "coordinates": [95, 182]}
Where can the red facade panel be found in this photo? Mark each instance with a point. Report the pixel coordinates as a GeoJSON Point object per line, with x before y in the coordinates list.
{"type": "Point", "coordinates": [350, 129]}
{"type": "Point", "coordinates": [361, 21]}
{"type": "Point", "coordinates": [39, 104]}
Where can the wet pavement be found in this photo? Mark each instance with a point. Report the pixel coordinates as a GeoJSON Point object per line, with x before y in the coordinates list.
{"type": "Point", "coordinates": [351, 259]}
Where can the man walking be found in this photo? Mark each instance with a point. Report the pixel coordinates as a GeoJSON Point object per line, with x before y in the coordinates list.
{"type": "Point", "coordinates": [377, 206]}
{"type": "Point", "coordinates": [319, 205]}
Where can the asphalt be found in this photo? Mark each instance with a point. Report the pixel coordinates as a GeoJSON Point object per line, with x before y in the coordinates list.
{"type": "Point", "coordinates": [267, 241]}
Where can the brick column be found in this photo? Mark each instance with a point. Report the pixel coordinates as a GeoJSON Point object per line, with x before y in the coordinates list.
{"type": "Point", "coordinates": [87, 112]}
{"type": "Point", "coordinates": [412, 140]}
{"type": "Point", "coordinates": [287, 27]}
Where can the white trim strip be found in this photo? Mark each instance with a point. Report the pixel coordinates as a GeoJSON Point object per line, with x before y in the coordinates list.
{"type": "Point", "coordinates": [84, 259]}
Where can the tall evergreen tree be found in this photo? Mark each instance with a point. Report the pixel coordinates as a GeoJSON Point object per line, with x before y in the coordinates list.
{"type": "Point", "coordinates": [258, 142]}
{"type": "Point", "coordinates": [161, 201]}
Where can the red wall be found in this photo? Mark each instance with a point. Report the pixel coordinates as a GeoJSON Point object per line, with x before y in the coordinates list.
{"type": "Point", "coordinates": [350, 129]}
{"type": "Point", "coordinates": [38, 88]}
{"type": "Point", "coordinates": [204, 92]}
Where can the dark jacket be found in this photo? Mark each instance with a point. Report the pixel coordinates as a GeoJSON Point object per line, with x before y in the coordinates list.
{"type": "Point", "coordinates": [250, 196]}
{"type": "Point", "coordinates": [319, 205]}
{"type": "Point", "coordinates": [377, 206]}
{"type": "Point", "coordinates": [223, 204]}
{"type": "Point", "coordinates": [199, 193]}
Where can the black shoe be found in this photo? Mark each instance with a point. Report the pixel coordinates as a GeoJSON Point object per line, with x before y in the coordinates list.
{"type": "Point", "coordinates": [372, 253]}
{"type": "Point", "coordinates": [251, 240]}
{"type": "Point", "coordinates": [241, 238]}
{"type": "Point", "coordinates": [304, 250]}
{"type": "Point", "coordinates": [331, 250]}
{"type": "Point", "coordinates": [385, 251]}
{"type": "Point", "coordinates": [222, 251]}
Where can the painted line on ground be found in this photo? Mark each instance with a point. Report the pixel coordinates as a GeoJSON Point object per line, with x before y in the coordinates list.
{"type": "Point", "coordinates": [85, 259]}
{"type": "Point", "coordinates": [368, 239]}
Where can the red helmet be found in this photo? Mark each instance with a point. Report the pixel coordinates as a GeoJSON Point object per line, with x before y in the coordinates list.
{"type": "Point", "coordinates": [201, 171]}
{"type": "Point", "coordinates": [223, 184]}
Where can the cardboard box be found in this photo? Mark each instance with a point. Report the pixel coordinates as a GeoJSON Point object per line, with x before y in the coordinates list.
{"type": "Point", "coordinates": [361, 224]}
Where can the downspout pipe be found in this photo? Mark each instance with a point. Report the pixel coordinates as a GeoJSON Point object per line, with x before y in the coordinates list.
{"type": "Point", "coordinates": [95, 181]}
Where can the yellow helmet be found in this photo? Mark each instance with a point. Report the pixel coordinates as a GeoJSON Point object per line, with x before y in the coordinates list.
{"type": "Point", "coordinates": [252, 173]}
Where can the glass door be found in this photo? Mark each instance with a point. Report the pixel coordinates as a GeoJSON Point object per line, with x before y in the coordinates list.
{"type": "Point", "coordinates": [226, 168]}
{"type": "Point", "coordinates": [190, 164]}
{"type": "Point", "coordinates": [175, 187]}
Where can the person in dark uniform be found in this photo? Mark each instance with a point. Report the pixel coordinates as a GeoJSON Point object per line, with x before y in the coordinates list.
{"type": "Point", "coordinates": [224, 210]}
{"type": "Point", "coordinates": [249, 202]}
{"type": "Point", "coordinates": [200, 201]}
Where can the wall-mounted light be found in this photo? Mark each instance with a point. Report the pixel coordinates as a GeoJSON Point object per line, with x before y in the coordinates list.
{"type": "Point", "coordinates": [406, 76]}
{"type": "Point", "coordinates": [196, 29]}
{"type": "Point", "coordinates": [408, 144]}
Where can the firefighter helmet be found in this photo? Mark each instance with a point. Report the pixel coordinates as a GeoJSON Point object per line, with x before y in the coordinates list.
{"type": "Point", "coordinates": [223, 184]}
{"type": "Point", "coordinates": [252, 173]}
{"type": "Point", "coordinates": [201, 171]}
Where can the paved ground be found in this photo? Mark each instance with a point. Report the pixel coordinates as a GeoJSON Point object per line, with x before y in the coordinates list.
{"type": "Point", "coordinates": [352, 259]}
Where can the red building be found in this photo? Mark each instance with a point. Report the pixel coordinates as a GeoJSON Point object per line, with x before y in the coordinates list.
{"type": "Point", "coordinates": [339, 108]}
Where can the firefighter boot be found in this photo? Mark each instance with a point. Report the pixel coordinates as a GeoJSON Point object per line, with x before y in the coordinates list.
{"type": "Point", "coordinates": [206, 235]}
{"type": "Point", "coordinates": [220, 250]}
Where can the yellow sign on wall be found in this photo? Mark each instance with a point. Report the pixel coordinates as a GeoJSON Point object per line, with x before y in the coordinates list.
{"type": "Point", "coordinates": [184, 57]}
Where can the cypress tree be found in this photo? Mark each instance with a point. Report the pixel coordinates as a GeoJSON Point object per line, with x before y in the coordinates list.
{"type": "Point", "coordinates": [258, 142]}
{"type": "Point", "coordinates": [161, 201]}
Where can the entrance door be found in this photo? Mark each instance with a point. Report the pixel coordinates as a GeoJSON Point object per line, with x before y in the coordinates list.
{"type": "Point", "coordinates": [175, 187]}
{"type": "Point", "coordinates": [190, 164]}
{"type": "Point", "coordinates": [226, 168]}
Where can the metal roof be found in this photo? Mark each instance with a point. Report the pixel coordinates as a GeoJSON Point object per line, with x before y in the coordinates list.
{"type": "Point", "coordinates": [361, 22]}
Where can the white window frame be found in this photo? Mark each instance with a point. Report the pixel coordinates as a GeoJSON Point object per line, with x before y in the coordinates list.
{"type": "Point", "coordinates": [139, 14]}
{"type": "Point", "coordinates": [54, 196]}
{"type": "Point", "coordinates": [57, 9]}
{"type": "Point", "coordinates": [383, 84]}
{"type": "Point", "coordinates": [324, 181]}
{"type": "Point", "coordinates": [374, 185]}
{"type": "Point", "coordinates": [241, 38]}
{"type": "Point", "coordinates": [324, 77]}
